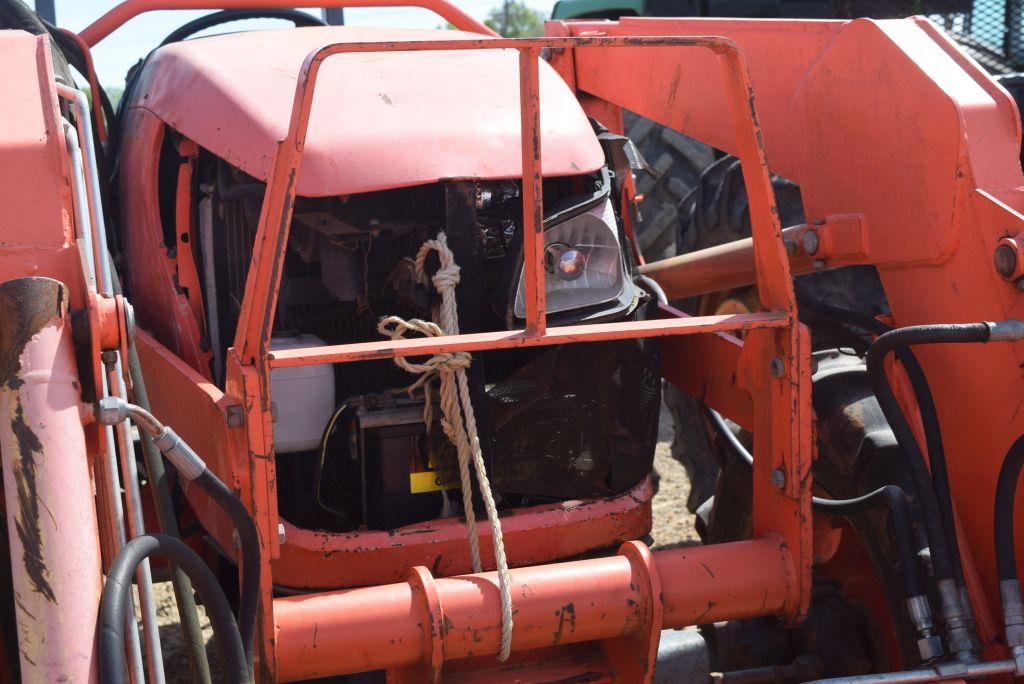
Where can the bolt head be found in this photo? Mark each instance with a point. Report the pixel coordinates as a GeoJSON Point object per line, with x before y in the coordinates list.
{"type": "Point", "coordinates": [777, 367]}
{"type": "Point", "coordinates": [930, 647]}
{"type": "Point", "coordinates": [811, 241]}
{"type": "Point", "coordinates": [235, 416]}
{"type": "Point", "coordinates": [1005, 260]}
{"type": "Point", "coordinates": [778, 478]}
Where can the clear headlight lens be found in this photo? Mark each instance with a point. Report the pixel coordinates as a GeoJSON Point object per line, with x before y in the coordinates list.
{"type": "Point", "coordinates": [582, 263]}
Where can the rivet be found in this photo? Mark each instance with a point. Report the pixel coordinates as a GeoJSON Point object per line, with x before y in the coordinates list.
{"type": "Point", "coordinates": [235, 417]}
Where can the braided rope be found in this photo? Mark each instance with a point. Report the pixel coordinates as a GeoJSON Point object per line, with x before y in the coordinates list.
{"type": "Point", "coordinates": [459, 421]}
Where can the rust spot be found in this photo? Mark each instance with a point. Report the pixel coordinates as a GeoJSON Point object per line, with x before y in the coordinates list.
{"type": "Point", "coordinates": [27, 520]}
{"type": "Point", "coordinates": [26, 305]}
{"type": "Point", "coordinates": [566, 618]}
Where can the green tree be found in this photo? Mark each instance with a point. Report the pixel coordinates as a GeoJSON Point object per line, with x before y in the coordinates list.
{"type": "Point", "coordinates": [513, 19]}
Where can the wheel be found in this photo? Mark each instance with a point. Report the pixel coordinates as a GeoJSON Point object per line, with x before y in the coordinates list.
{"type": "Point", "coordinates": [676, 163]}
{"type": "Point", "coordinates": [855, 443]}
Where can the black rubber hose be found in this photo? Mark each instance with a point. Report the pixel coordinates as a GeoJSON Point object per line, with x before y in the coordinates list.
{"type": "Point", "coordinates": [937, 519]}
{"type": "Point", "coordinates": [889, 496]}
{"type": "Point", "coordinates": [895, 500]}
{"type": "Point", "coordinates": [1006, 494]}
{"type": "Point", "coordinates": [207, 21]}
{"type": "Point", "coordinates": [166, 519]}
{"type": "Point", "coordinates": [250, 542]}
{"type": "Point", "coordinates": [929, 417]}
{"type": "Point", "coordinates": [113, 604]}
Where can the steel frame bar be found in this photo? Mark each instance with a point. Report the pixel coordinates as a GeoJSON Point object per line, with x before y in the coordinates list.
{"type": "Point", "coordinates": [783, 418]}
{"type": "Point", "coordinates": [533, 192]}
{"type": "Point", "coordinates": [119, 15]}
{"type": "Point", "coordinates": [411, 628]}
{"type": "Point", "coordinates": [507, 339]}
{"type": "Point", "coordinates": [260, 301]}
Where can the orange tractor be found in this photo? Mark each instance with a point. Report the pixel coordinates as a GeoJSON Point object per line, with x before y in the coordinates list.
{"type": "Point", "coordinates": [346, 329]}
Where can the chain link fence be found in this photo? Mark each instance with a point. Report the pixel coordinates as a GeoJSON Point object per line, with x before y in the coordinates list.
{"type": "Point", "coordinates": [989, 30]}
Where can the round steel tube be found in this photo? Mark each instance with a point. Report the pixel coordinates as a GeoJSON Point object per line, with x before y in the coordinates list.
{"type": "Point", "coordinates": [382, 627]}
{"type": "Point", "coordinates": [53, 534]}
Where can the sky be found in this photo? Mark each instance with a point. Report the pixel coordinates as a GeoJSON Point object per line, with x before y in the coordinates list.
{"type": "Point", "coordinates": [116, 53]}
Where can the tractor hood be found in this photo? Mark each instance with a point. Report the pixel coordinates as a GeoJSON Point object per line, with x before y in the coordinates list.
{"type": "Point", "coordinates": [380, 120]}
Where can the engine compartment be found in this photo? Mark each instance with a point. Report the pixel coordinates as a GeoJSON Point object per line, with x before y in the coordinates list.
{"type": "Point", "coordinates": [548, 431]}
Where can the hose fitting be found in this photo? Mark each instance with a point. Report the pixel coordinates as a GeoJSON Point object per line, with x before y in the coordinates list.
{"type": "Point", "coordinates": [111, 411]}
{"type": "Point", "coordinates": [115, 410]}
{"type": "Point", "coordinates": [929, 644]}
{"type": "Point", "coordinates": [972, 625]}
{"type": "Point", "coordinates": [1013, 618]}
{"type": "Point", "coordinates": [1005, 331]}
{"type": "Point", "coordinates": [187, 461]}
{"type": "Point", "coordinates": [958, 635]}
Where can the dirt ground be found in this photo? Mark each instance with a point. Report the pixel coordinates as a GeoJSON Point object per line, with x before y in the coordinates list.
{"type": "Point", "coordinates": [673, 526]}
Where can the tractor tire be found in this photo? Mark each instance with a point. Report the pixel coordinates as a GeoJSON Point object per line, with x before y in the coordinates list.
{"type": "Point", "coordinates": [850, 462]}
{"type": "Point", "coordinates": [857, 453]}
{"type": "Point", "coordinates": [716, 211]}
{"type": "Point", "coordinates": [676, 163]}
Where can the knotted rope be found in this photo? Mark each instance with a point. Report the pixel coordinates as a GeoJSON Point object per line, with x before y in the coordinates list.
{"type": "Point", "coordinates": [459, 421]}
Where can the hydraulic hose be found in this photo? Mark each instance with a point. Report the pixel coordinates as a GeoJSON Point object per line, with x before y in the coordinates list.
{"type": "Point", "coordinates": [115, 596]}
{"type": "Point", "coordinates": [889, 496]}
{"type": "Point", "coordinates": [192, 632]}
{"type": "Point", "coordinates": [1006, 556]}
{"type": "Point", "coordinates": [956, 609]}
{"type": "Point", "coordinates": [929, 417]}
{"type": "Point", "coordinates": [938, 519]}
{"type": "Point", "coordinates": [189, 466]}
{"type": "Point", "coordinates": [1006, 495]}
{"type": "Point", "coordinates": [250, 543]}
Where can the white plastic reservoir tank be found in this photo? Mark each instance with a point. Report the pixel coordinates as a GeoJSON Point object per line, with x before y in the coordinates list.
{"type": "Point", "coordinates": [303, 397]}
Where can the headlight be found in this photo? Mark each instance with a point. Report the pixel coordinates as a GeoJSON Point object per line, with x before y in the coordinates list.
{"type": "Point", "coordinates": [582, 263]}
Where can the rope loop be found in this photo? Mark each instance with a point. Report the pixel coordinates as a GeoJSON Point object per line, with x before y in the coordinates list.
{"type": "Point", "coordinates": [459, 421]}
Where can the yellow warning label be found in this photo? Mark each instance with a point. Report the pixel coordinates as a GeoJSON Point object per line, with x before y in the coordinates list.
{"type": "Point", "coordinates": [428, 481]}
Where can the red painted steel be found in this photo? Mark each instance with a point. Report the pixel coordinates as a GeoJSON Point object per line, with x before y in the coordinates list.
{"type": "Point", "coordinates": [509, 339]}
{"type": "Point", "coordinates": [596, 599]}
{"type": "Point", "coordinates": [533, 192]}
{"type": "Point", "coordinates": [160, 305]}
{"type": "Point", "coordinates": [313, 559]}
{"type": "Point", "coordinates": [116, 17]}
{"type": "Point", "coordinates": [97, 106]}
{"type": "Point", "coordinates": [56, 574]}
{"type": "Point", "coordinates": [247, 81]}
{"type": "Point", "coordinates": [262, 284]}
{"type": "Point", "coordinates": [784, 421]}
{"type": "Point", "coordinates": [767, 576]}
{"type": "Point", "coordinates": [38, 227]}
{"type": "Point", "coordinates": [889, 121]}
